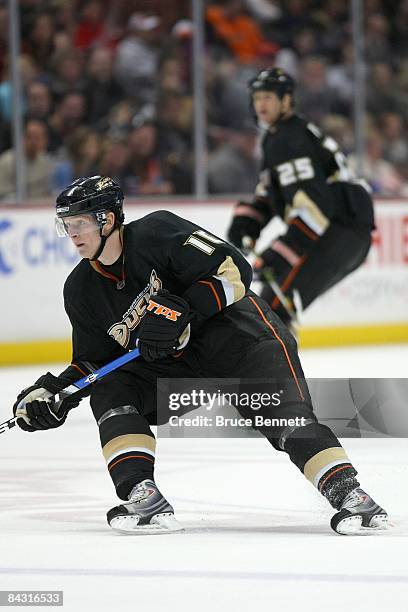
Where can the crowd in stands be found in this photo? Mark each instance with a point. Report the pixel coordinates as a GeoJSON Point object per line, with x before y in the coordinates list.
{"type": "Point", "coordinates": [107, 89]}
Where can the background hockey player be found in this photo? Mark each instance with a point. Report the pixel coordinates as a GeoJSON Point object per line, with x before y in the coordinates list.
{"type": "Point", "coordinates": [305, 180]}
{"type": "Point", "coordinates": [182, 295]}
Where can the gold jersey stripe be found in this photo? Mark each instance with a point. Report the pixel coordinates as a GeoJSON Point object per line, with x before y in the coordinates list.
{"type": "Point", "coordinates": [304, 206]}
{"type": "Point", "coordinates": [121, 443]}
{"type": "Point", "coordinates": [325, 458]}
{"type": "Point", "coordinates": [230, 272]}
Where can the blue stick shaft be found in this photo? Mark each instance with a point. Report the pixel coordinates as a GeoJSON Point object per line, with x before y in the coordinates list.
{"type": "Point", "coordinates": [106, 369]}
{"type": "Point", "coordinates": [86, 380]}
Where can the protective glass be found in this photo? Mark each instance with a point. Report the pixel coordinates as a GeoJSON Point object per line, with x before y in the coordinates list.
{"type": "Point", "coordinates": [76, 226]}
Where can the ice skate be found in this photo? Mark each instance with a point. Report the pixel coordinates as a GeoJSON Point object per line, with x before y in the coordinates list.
{"type": "Point", "coordinates": [359, 514]}
{"type": "Point", "coordinates": [146, 512]}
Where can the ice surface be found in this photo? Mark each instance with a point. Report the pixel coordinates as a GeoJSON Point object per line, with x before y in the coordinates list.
{"type": "Point", "coordinates": [257, 535]}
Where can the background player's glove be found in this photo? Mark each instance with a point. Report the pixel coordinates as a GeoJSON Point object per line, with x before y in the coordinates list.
{"type": "Point", "coordinates": [36, 411]}
{"type": "Point", "coordinates": [280, 258]}
{"type": "Point", "coordinates": [241, 227]}
{"type": "Point", "coordinates": [165, 327]}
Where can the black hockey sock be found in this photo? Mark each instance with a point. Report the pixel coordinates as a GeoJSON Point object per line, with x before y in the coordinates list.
{"type": "Point", "coordinates": [128, 445]}
{"type": "Point", "coordinates": [319, 455]}
{"type": "Point", "coordinates": [337, 483]}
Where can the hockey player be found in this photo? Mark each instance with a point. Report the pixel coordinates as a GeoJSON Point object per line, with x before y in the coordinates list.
{"type": "Point", "coordinates": [304, 179]}
{"type": "Point", "coordinates": [182, 296]}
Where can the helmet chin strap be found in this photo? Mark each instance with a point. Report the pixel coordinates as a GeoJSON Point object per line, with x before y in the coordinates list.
{"type": "Point", "coordinates": [102, 243]}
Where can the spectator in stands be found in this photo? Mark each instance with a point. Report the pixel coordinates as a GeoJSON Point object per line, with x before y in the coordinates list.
{"type": "Point", "coordinates": [28, 71]}
{"type": "Point", "coordinates": [401, 90]}
{"type": "Point", "coordinates": [376, 35]}
{"type": "Point", "coordinates": [263, 11]}
{"type": "Point", "coordinates": [102, 90]}
{"type": "Point", "coordinates": [62, 42]}
{"type": "Point", "coordinates": [305, 43]}
{"type": "Point", "coordinates": [91, 28]}
{"type": "Point", "coordinates": [333, 21]}
{"type": "Point", "coordinates": [395, 142]}
{"type": "Point", "coordinates": [117, 123]}
{"type": "Point", "coordinates": [233, 168]}
{"type": "Point", "coordinates": [38, 164]}
{"type": "Point", "coordinates": [340, 76]}
{"type": "Point", "coordinates": [379, 173]}
{"type": "Point", "coordinates": [80, 158]}
{"type": "Point", "coordinates": [137, 57]}
{"type": "Point", "coordinates": [67, 72]}
{"type": "Point", "coordinates": [68, 115]}
{"type": "Point", "coordinates": [65, 19]}
{"type": "Point", "coordinates": [39, 101]}
{"type": "Point", "coordinates": [145, 173]}
{"type": "Point", "coordinates": [171, 75]}
{"type": "Point", "coordinates": [39, 43]}
{"type": "Point", "coordinates": [316, 98]}
{"type": "Point", "coordinates": [175, 121]}
{"type": "Point", "coordinates": [231, 28]}
{"type": "Point", "coordinates": [114, 158]}
{"type": "Point", "coordinates": [230, 93]}
{"type": "Point", "coordinates": [382, 92]}
{"type": "Point", "coordinates": [296, 16]}
{"type": "Point", "coordinates": [400, 32]}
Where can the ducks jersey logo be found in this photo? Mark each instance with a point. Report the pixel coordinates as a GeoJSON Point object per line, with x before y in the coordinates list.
{"type": "Point", "coordinates": [132, 317]}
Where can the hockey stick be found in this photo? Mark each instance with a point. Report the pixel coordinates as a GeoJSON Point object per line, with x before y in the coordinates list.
{"type": "Point", "coordinates": [82, 383]}
{"type": "Point", "coordinates": [269, 277]}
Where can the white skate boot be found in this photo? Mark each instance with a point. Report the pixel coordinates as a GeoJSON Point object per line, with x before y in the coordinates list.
{"type": "Point", "coordinates": [358, 514]}
{"type": "Point", "coordinates": [146, 512]}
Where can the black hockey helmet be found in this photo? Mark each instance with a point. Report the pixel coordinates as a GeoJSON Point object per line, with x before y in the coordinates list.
{"type": "Point", "coordinates": [272, 79]}
{"type": "Point", "coordinates": [93, 194]}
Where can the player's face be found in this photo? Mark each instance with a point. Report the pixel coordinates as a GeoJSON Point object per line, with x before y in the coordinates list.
{"type": "Point", "coordinates": [268, 106]}
{"type": "Point", "coordinates": [84, 233]}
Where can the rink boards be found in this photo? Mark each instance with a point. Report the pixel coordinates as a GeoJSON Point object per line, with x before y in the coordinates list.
{"type": "Point", "coordinates": [370, 306]}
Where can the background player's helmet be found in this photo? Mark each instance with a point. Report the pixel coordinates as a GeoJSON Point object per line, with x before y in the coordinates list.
{"type": "Point", "coordinates": [272, 79]}
{"type": "Point", "coordinates": [90, 195]}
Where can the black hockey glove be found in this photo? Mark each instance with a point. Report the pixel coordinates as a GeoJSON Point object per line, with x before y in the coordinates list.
{"type": "Point", "coordinates": [242, 227]}
{"type": "Point", "coordinates": [36, 411]}
{"type": "Point", "coordinates": [271, 262]}
{"type": "Point", "coordinates": [278, 259]}
{"type": "Point", "coordinates": [165, 327]}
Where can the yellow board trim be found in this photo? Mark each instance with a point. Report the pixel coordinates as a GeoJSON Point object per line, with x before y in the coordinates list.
{"type": "Point", "coordinates": [318, 337]}
{"type": "Point", "coordinates": [59, 351]}
{"type": "Point", "coordinates": [40, 351]}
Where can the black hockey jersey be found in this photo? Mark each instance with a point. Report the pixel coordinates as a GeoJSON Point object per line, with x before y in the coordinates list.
{"type": "Point", "coordinates": [161, 250]}
{"type": "Point", "coordinates": [305, 175]}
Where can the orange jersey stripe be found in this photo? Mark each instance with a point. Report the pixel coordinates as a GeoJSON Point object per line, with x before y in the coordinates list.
{"type": "Point", "coordinates": [130, 457]}
{"type": "Point", "coordinates": [217, 299]}
{"type": "Point", "coordinates": [282, 345]}
{"type": "Point", "coordinates": [105, 272]}
{"type": "Point", "coordinates": [288, 281]}
{"type": "Point", "coordinates": [303, 228]}
{"type": "Point", "coordinates": [74, 365]}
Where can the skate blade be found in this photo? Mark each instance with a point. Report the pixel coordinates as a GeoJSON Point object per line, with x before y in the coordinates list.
{"type": "Point", "coordinates": [352, 525]}
{"type": "Point", "coordinates": [159, 524]}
